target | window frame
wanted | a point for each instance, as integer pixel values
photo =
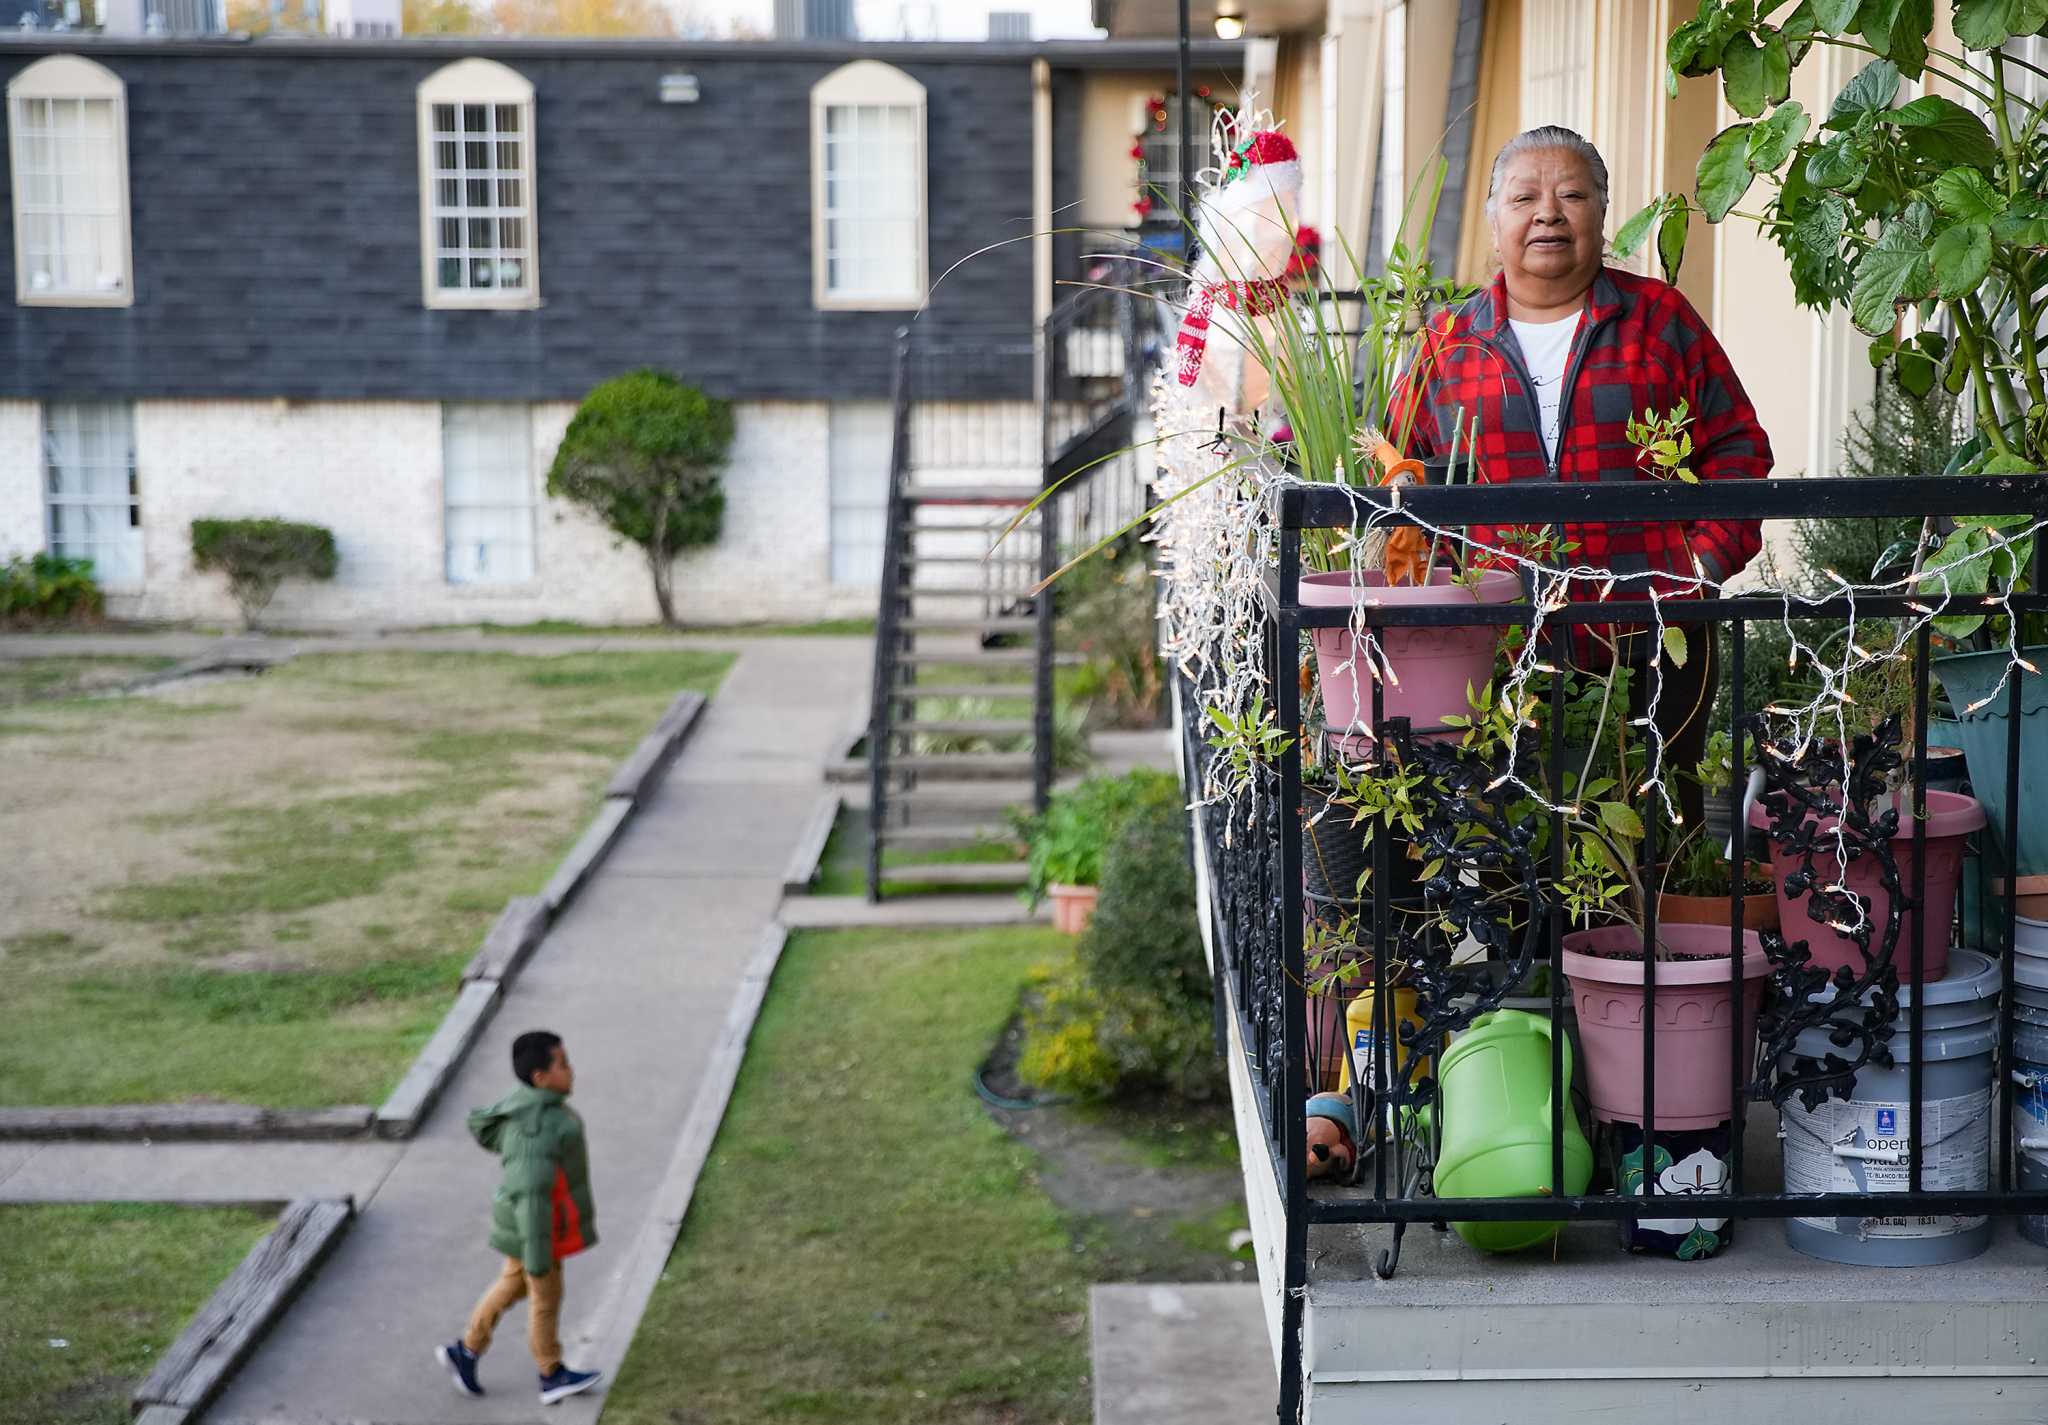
(70, 77)
(477, 81)
(51, 500)
(867, 82)
(523, 413)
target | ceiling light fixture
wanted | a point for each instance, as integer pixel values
(1229, 27)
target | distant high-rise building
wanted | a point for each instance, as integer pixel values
(364, 19)
(815, 20)
(1010, 26)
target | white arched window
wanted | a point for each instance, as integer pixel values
(67, 122)
(478, 244)
(868, 188)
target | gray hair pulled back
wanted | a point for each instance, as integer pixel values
(1550, 136)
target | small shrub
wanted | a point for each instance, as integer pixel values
(1144, 935)
(643, 454)
(46, 588)
(258, 555)
(1132, 1016)
(1067, 843)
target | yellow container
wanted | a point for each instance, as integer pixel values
(1358, 1024)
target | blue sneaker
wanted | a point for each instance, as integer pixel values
(461, 1363)
(561, 1383)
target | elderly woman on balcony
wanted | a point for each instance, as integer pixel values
(1547, 364)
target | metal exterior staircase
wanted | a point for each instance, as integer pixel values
(961, 724)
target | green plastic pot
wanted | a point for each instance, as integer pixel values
(1497, 1110)
(1968, 678)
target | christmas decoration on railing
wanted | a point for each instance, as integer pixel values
(1155, 125)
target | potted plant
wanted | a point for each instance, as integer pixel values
(1698, 882)
(1066, 845)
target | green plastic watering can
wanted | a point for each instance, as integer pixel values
(1494, 1083)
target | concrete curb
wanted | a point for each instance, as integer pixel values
(657, 749)
(409, 1103)
(181, 1121)
(506, 947)
(809, 853)
(605, 1341)
(196, 1366)
(519, 928)
(583, 858)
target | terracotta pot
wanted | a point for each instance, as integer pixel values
(1695, 1010)
(1951, 817)
(1434, 665)
(1759, 912)
(1072, 907)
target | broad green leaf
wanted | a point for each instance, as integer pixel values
(1777, 70)
(1694, 47)
(1631, 235)
(1962, 260)
(1971, 576)
(1943, 129)
(1671, 235)
(1907, 47)
(1894, 269)
(1674, 646)
(1772, 141)
(1724, 173)
(2009, 465)
(1876, 20)
(2024, 224)
(1871, 91)
(1839, 164)
(1987, 24)
(1742, 74)
(1819, 229)
(1916, 372)
(1837, 17)
(1966, 195)
(1622, 820)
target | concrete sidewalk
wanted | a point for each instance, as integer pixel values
(639, 977)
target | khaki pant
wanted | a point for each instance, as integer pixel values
(544, 1313)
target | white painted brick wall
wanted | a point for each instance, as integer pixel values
(371, 472)
(21, 478)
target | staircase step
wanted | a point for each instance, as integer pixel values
(964, 766)
(959, 873)
(918, 692)
(940, 837)
(972, 494)
(992, 657)
(993, 623)
(965, 727)
(935, 559)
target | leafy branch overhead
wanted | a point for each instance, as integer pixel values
(1930, 207)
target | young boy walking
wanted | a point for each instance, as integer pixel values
(540, 1214)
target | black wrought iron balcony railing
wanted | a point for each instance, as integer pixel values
(1487, 891)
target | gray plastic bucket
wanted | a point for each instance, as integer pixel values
(2030, 1084)
(1859, 1144)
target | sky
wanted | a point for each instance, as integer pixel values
(928, 19)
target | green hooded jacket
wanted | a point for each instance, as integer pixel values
(541, 1211)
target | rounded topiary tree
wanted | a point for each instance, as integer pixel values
(643, 454)
(258, 555)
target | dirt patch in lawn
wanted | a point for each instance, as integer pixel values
(263, 889)
(1154, 1187)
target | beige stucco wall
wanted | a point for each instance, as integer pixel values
(1112, 113)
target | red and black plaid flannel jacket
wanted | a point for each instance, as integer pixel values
(1639, 346)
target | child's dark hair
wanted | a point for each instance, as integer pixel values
(532, 1052)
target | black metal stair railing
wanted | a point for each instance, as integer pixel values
(1259, 915)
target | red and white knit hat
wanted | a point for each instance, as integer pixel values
(1264, 165)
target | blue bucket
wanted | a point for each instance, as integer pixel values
(1983, 735)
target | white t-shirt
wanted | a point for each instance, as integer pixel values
(1546, 349)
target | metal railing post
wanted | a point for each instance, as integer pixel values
(881, 708)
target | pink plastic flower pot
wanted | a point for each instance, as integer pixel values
(1434, 666)
(1951, 817)
(1695, 1009)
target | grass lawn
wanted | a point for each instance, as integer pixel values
(264, 889)
(823, 628)
(28, 679)
(93, 1293)
(866, 1243)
